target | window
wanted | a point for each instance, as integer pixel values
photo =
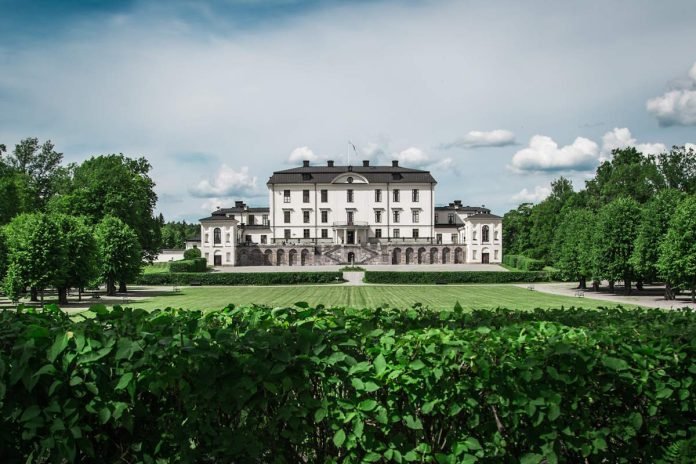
(437, 218)
(450, 218)
(217, 236)
(264, 219)
(325, 216)
(251, 219)
(495, 235)
(286, 233)
(227, 238)
(416, 215)
(305, 233)
(396, 233)
(305, 196)
(495, 254)
(378, 233)
(207, 238)
(415, 233)
(324, 233)
(286, 196)
(438, 238)
(415, 195)
(473, 254)
(286, 217)
(378, 217)
(324, 196)
(396, 215)
(473, 234)
(349, 215)
(378, 195)
(455, 238)
(484, 234)
(350, 180)
(396, 195)
(228, 255)
(349, 193)
(247, 238)
(305, 217)
(264, 239)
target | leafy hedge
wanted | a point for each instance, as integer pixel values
(240, 278)
(523, 263)
(483, 277)
(189, 265)
(341, 385)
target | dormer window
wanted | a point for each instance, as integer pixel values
(350, 180)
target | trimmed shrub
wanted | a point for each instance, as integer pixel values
(290, 385)
(240, 278)
(523, 263)
(464, 277)
(192, 253)
(189, 265)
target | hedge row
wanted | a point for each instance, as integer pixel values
(481, 277)
(523, 263)
(189, 265)
(292, 385)
(240, 278)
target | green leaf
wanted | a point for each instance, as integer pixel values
(636, 420)
(664, 393)
(380, 364)
(416, 365)
(554, 412)
(413, 423)
(367, 405)
(30, 413)
(104, 415)
(472, 444)
(99, 309)
(531, 458)
(599, 444)
(47, 369)
(614, 363)
(370, 387)
(59, 344)
(357, 384)
(339, 437)
(119, 407)
(428, 407)
(319, 415)
(302, 304)
(124, 381)
(372, 457)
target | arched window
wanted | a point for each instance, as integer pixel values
(217, 236)
(484, 234)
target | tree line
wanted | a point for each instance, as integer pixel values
(68, 226)
(635, 222)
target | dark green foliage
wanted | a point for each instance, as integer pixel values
(677, 261)
(523, 263)
(240, 278)
(573, 244)
(192, 253)
(174, 234)
(478, 277)
(120, 257)
(290, 385)
(517, 229)
(678, 167)
(189, 265)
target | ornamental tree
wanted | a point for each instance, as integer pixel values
(572, 246)
(119, 253)
(81, 250)
(677, 261)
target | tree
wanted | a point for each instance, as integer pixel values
(655, 219)
(677, 261)
(192, 253)
(517, 229)
(119, 253)
(3, 255)
(678, 167)
(81, 250)
(41, 164)
(114, 185)
(545, 218)
(572, 246)
(15, 196)
(616, 232)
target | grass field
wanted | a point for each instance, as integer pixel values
(469, 296)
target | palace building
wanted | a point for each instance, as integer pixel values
(330, 214)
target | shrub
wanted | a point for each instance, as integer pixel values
(299, 384)
(523, 263)
(192, 253)
(480, 277)
(189, 265)
(241, 278)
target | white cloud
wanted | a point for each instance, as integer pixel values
(677, 106)
(302, 153)
(544, 154)
(525, 196)
(476, 139)
(622, 138)
(227, 183)
(412, 157)
(690, 146)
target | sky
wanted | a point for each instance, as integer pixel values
(496, 99)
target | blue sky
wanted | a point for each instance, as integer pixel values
(495, 98)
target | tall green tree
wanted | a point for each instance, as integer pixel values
(3, 255)
(81, 251)
(41, 164)
(517, 228)
(677, 261)
(615, 236)
(573, 245)
(654, 224)
(15, 195)
(678, 167)
(545, 218)
(118, 186)
(120, 256)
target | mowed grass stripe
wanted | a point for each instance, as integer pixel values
(434, 296)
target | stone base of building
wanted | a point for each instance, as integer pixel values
(319, 255)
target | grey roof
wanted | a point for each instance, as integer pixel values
(235, 210)
(217, 218)
(373, 174)
(464, 209)
(195, 238)
(484, 216)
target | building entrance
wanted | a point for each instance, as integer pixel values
(484, 258)
(350, 237)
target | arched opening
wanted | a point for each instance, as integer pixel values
(458, 256)
(445, 256)
(243, 261)
(280, 257)
(409, 255)
(292, 258)
(217, 236)
(484, 234)
(217, 258)
(351, 257)
(256, 258)
(304, 257)
(396, 256)
(421, 255)
(268, 258)
(433, 256)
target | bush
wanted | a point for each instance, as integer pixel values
(192, 253)
(479, 277)
(523, 263)
(189, 265)
(342, 385)
(241, 278)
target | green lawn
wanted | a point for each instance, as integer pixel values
(434, 296)
(156, 268)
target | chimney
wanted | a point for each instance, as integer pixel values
(395, 163)
(329, 163)
(366, 163)
(239, 204)
(305, 163)
(458, 202)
